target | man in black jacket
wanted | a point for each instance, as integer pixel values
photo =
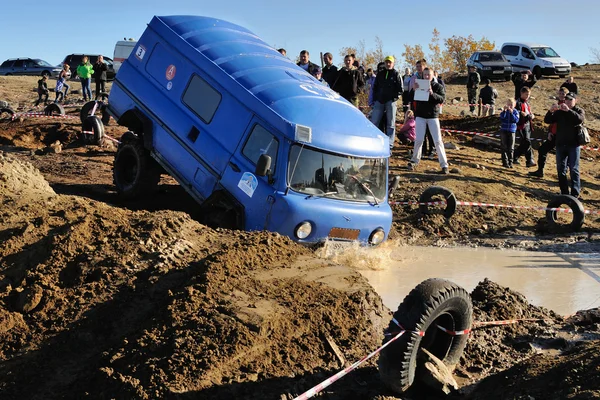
(525, 78)
(427, 116)
(568, 117)
(349, 82)
(305, 62)
(329, 70)
(386, 91)
(487, 98)
(570, 85)
(100, 76)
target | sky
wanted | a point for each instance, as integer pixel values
(50, 31)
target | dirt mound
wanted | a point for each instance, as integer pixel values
(22, 180)
(96, 299)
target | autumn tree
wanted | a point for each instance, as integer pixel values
(369, 58)
(412, 54)
(459, 49)
(438, 59)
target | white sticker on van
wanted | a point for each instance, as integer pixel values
(248, 183)
(139, 53)
(169, 85)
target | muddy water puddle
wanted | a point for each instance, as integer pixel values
(563, 282)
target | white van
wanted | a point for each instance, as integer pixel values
(538, 58)
(122, 50)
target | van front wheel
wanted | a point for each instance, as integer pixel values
(135, 173)
(537, 71)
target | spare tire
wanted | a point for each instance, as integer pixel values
(53, 108)
(438, 191)
(94, 125)
(135, 172)
(575, 206)
(433, 302)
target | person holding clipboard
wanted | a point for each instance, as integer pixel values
(428, 96)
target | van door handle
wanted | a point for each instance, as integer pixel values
(234, 167)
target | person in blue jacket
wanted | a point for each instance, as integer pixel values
(508, 126)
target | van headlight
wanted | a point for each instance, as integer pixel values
(303, 230)
(377, 237)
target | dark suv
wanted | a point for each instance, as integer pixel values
(74, 60)
(28, 66)
(491, 64)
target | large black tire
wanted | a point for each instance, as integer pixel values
(6, 113)
(433, 302)
(436, 192)
(87, 108)
(571, 202)
(54, 109)
(537, 71)
(135, 172)
(92, 124)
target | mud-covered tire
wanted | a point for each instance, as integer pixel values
(92, 124)
(433, 302)
(135, 172)
(54, 109)
(438, 191)
(86, 111)
(572, 203)
(6, 113)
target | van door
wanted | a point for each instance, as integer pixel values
(513, 55)
(256, 193)
(527, 58)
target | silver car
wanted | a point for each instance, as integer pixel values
(28, 66)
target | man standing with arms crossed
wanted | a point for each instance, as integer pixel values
(386, 91)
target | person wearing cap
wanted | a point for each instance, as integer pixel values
(427, 115)
(568, 117)
(318, 74)
(329, 70)
(521, 80)
(386, 91)
(305, 63)
(472, 85)
(349, 81)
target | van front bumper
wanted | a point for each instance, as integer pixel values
(556, 70)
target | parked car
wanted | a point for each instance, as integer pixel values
(28, 66)
(123, 49)
(491, 64)
(538, 58)
(74, 60)
(253, 138)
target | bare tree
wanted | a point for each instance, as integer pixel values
(595, 55)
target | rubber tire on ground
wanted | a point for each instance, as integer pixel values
(537, 71)
(433, 302)
(7, 111)
(87, 108)
(574, 204)
(53, 108)
(135, 172)
(92, 124)
(434, 191)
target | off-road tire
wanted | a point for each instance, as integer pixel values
(92, 124)
(6, 113)
(101, 109)
(135, 172)
(54, 109)
(571, 202)
(438, 191)
(433, 302)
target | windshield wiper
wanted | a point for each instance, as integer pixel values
(324, 194)
(366, 188)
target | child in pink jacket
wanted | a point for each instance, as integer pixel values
(407, 133)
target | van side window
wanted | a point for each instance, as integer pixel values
(260, 142)
(527, 53)
(201, 98)
(510, 50)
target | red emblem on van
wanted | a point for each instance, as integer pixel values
(171, 72)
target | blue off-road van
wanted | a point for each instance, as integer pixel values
(257, 141)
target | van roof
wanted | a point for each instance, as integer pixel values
(286, 94)
(528, 44)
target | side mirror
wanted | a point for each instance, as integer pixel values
(263, 166)
(393, 185)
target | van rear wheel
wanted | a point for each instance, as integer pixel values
(135, 173)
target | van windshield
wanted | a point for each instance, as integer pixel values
(319, 173)
(544, 52)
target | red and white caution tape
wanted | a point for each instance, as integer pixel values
(454, 333)
(477, 204)
(506, 322)
(42, 115)
(310, 393)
